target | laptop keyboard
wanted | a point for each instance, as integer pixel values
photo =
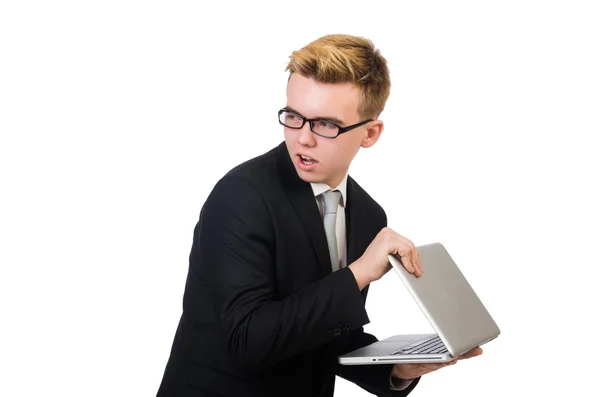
(433, 345)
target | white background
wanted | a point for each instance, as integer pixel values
(118, 117)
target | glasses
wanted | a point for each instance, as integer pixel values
(321, 127)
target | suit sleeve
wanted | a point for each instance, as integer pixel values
(373, 378)
(233, 255)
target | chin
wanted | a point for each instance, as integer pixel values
(309, 177)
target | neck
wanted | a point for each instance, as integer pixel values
(333, 183)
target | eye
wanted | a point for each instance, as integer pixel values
(326, 124)
(291, 116)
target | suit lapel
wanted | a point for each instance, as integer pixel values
(356, 219)
(302, 198)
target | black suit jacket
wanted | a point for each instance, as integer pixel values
(263, 315)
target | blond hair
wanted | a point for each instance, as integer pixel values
(340, 58)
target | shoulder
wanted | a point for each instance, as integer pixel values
(259, 171)
(247, 181)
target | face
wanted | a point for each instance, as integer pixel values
(329, 158)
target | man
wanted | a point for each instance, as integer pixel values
(287, 244)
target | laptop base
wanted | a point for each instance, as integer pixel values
(382, 352)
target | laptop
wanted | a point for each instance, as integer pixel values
(449, 303)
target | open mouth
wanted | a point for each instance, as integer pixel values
(307, 160)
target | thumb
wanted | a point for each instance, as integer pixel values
(407, 262)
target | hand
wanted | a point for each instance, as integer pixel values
(412, 371)
(374, 263)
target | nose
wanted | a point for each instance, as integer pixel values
(306, 137)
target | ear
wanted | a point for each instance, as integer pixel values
(373, 133)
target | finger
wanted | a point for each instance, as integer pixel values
(418, 263)
(414, 257)
(416, 370)
(407, 262)
(472, 353)
(427, 368)
(435, 366)
(405, 249)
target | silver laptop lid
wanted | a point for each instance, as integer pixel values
(448, 301)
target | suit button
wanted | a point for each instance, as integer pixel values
(338, 332)
(332, 333)
(348, 326)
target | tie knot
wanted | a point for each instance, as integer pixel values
(331, 200)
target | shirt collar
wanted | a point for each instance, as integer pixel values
(319, 188)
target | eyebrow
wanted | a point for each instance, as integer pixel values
(334, 119)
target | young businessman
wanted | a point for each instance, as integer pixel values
(287, 244)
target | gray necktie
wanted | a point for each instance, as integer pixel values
(331, 200)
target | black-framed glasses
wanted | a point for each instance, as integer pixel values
(322, 127)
